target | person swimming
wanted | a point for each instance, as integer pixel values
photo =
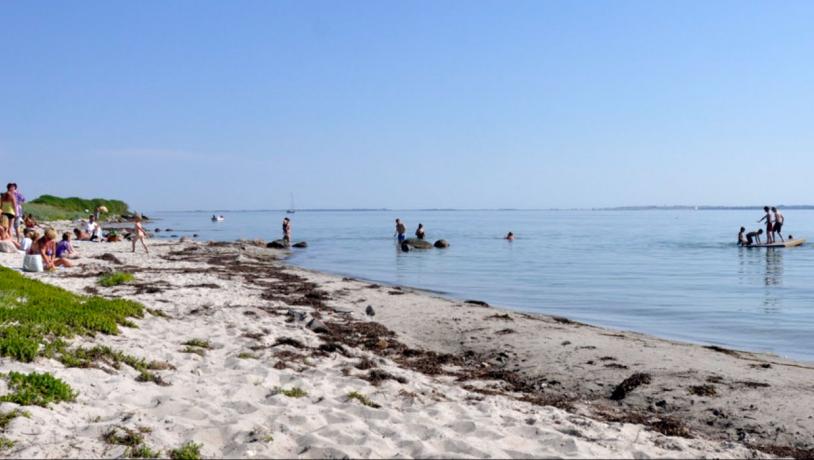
(509, 236)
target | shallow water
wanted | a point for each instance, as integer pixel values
(675, 274)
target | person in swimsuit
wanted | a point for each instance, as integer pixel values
(769, 218)
(46, 247)
(742, 237)
(20, 200)
(401, 229)
(65, 249)
(753, 237)
(509, 236)
(778, 223)
(139, 234)
(8, 207)
(419, 233)
(287, 230)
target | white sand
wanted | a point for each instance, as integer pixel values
(228, 404)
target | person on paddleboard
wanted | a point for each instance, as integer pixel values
(753, 237)
(778, 223)
(769, 218)
(742, 237)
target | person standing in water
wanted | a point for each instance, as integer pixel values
(509, 236)
(742, 237)
(769, 218)
(401, 229)
(287, 230)
(778, 224)
(419, 232)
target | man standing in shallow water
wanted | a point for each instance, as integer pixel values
(401, 229)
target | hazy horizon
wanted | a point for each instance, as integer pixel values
(526, 105)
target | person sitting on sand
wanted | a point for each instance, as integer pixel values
(287, 230)
(778, 224)
(753, 237)
(93, 229)
(769, 218)
(139, 234)
(80, 235)
(65, 249)
(419, 232)
(401, 229)
(30, 222)
(42, 255)
(509, 236)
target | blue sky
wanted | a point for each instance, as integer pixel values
(175, 105)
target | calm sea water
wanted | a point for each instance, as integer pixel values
(675, 274)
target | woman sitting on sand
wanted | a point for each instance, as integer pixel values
(30, 222)
(65, 249)
(80, 235)
(42, 255)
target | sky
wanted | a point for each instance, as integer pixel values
(182, 105)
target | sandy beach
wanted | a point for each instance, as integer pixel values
(305, 364)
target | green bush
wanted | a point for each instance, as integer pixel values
(142, 451)
(37, 389)
(115, 279)
(80, 205)
(189, 451)
(35, 316)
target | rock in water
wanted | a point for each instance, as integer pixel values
(441, 244)
(370, 311)
(278, 244)
(317, 326)
(417, 244)
(405, 247)
(301, 244)
(158, 230)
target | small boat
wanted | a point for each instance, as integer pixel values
(217, 219)
(780, 244)
(291, 209)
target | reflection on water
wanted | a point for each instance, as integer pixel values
(773, 279)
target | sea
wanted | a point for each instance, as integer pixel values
(676, 274)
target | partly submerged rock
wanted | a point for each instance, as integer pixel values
(417, 244)
(405, 247)
(441, 244)
(278, 244)
(301, 244)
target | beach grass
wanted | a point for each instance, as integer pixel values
(295, 392)
(36, 389)
(122, 436)
(6, 443)
(115, 279)
(72, 206)
(7, 417)
(142, 451)
(189, 451)
(355, 395)
(35, 317)
(199, 343)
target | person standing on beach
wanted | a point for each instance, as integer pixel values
(20, 200)
(778, 223)
(287, 230)
(139, 234)
(769, 218)
(419, 232)
(8, 207)
(401, 229)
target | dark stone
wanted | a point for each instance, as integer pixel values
(158, 230)
(297, 315)
(417, 244)
(301, 244)
(479, 303)
(195, 235)
(317, 326)
(370, 311)
(168, 230)
(441, 244)
(173, 236)
(278, 244)
(405, 247)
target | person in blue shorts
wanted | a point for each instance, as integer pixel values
(401, 229)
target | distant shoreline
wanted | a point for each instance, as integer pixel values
(806, 207)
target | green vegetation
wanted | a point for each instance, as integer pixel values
(200, 343)
(35, 316)
(7, 417)
(295, 392)
(362, 399)
(189, 451)
(115, 279)
(142, 451)
(247, 355)
(89, 357)
(37, 389)
(5, 443)
(49, 207)
(122, 436)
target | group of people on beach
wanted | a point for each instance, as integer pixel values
(42, 248)
(774, 226)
